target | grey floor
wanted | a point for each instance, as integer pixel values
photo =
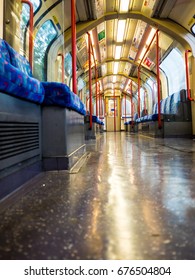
(133, 198)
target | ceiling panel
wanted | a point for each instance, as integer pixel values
(110, 5)
(186, 12)
(109, 37)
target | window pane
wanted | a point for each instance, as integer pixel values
(36, 4)
(24, 23)
(45, 35)
(193, 29)
(68, 64)
(174, 68)
(128, 107)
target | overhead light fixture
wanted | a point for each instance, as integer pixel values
(124, 6)
(114, 79)
(148, 41)
(121, 30)
(118, 52)
(115, 67)
(104, 69)
(142, 52)
(150, 36)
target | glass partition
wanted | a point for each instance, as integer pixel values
(44, 37)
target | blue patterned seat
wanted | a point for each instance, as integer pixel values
(61, 95)
(16, 76)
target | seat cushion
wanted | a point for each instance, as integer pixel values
(17, 83)
(4, 53)
(19, 61)
(61, 95)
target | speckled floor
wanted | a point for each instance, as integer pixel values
(134, 198)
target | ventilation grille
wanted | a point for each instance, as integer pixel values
(18, 138)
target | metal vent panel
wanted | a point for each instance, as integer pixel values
(18, 138)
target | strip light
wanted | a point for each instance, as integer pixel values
(124, 6)
(114, 79)
(121, 30)
(115, 67)
(150, 36)
(118, 52)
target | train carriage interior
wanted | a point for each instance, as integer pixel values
(97, 129)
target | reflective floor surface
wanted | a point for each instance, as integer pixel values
(133, 198)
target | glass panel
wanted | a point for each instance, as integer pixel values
(25, 16)
(81, 84)
(111, 107)
(128, 107)
(193, 29)
(45, 35)
(68, 64)
(36, 4)
(174, 68)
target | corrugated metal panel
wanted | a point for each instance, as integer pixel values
(17, 138)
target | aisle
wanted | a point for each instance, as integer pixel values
(133, 198)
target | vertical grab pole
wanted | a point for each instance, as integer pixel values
(90, 83)
(73, 33)
(99, 103)
(187, 75)
(125, 107)
(138, 101)
(99, 97)
(96, 89)
(131, 88)
(114, 111)
(145, 102)
(131, 103)
(30, 32)
(61, 54)
(158, 77)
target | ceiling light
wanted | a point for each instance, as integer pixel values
(142, 52)
(114, 79)
(115, 67)
(148, 41)
(124, 6)
(121, 30)
(150, 36)
(118, 52)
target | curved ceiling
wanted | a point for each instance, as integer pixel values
(121, 31)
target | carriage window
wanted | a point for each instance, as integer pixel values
(81, 84)
(193, 29)
(36, 4)
(25, 16)
(68, 64)
(44, 37)
(174, 69)
(128, 107)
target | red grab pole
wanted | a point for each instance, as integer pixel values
(148, 48)
(96, 89)
(73, 33)
(145, 102)
(90, 82)
(99, 103)
(132, 113)
(61, 54)
(114, 112)
(96, 77)
(125, 107)
(187, 75)
(158, 78)
(31, 29)
(138, 101)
